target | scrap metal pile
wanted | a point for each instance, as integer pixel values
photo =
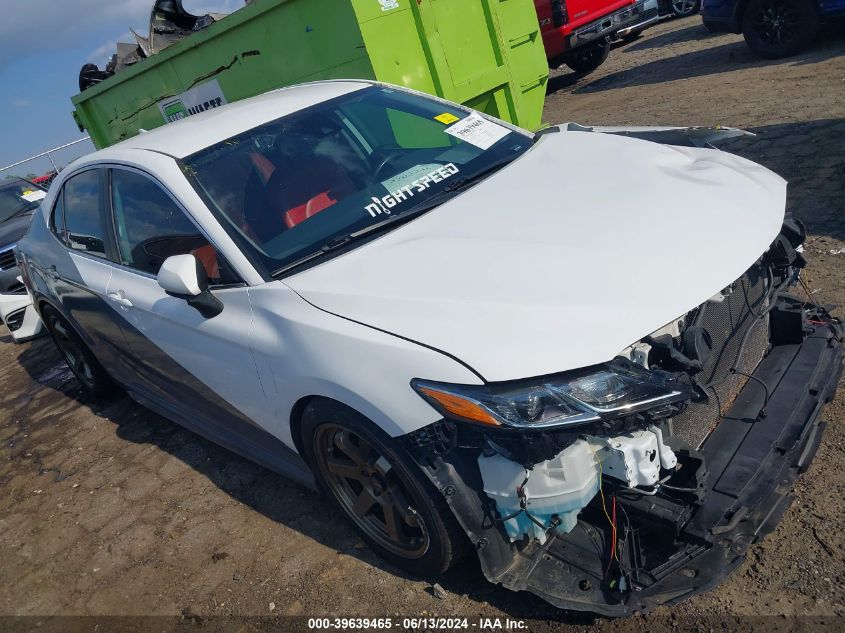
(169, 23)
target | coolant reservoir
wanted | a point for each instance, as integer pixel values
(561, 486)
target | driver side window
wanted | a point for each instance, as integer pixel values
(151, 227)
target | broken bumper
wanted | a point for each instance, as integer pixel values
(752, 461)
(650, 16)
(20, 316)
(605, 26)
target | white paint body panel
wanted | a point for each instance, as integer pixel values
(542, 267)
(213, 350)
(301, 350)
(31, 326)
(579, 248)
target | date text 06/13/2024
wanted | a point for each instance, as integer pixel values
(416, 623)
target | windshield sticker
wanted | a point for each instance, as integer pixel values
(409, 176)
(386, 203)
(478, 131)
(33, 196)
(446, 118)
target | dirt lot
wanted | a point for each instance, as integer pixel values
(108, 509)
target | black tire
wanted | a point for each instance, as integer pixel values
(369, 477)
(712, 27)
(779, 28)
(84, 365)
(685, 8)
(587, 59)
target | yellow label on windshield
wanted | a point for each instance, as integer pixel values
(446, 118)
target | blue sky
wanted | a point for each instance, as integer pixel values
(43, 44)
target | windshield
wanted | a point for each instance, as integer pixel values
(287, 188)
(17, 196)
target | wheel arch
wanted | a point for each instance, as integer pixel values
(40, 302)
(739, 15)
(295, 422)
(298, 410)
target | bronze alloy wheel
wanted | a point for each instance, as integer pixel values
(370, 490)
(71, 352)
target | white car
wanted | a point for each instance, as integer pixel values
(555, 350)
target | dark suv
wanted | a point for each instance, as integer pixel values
(19, 199)
(772, 28)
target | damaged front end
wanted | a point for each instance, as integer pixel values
(643, 481)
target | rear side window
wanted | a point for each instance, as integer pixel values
(83, 217)
(151, 227)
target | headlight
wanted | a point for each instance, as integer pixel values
(607, 391)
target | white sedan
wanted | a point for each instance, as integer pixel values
(468, 336)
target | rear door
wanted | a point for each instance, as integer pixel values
(192, 365)
(78, 277)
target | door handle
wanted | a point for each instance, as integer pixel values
(120, 299)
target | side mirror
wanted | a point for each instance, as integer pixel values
(183, 276)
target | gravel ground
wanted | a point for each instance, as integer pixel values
(108, 509)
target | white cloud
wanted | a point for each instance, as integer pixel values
(20, 102)
(102, 53)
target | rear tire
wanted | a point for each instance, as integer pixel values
(779, 28)
(376, 484)
(587, 59)
(80, 360)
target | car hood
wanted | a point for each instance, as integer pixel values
(580, 247)
(14, 228)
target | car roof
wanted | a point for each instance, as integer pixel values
(191, 134)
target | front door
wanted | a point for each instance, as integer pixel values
(200, 369)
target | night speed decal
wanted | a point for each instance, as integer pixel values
(386, 203)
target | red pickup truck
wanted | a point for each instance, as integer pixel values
(577, 32)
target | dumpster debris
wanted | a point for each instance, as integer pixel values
(346, 42)
(169, 23)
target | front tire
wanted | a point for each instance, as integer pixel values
(376, 484)
(81, 361)
(589, 58)
(779, 28)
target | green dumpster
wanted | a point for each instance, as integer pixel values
(486, 54)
